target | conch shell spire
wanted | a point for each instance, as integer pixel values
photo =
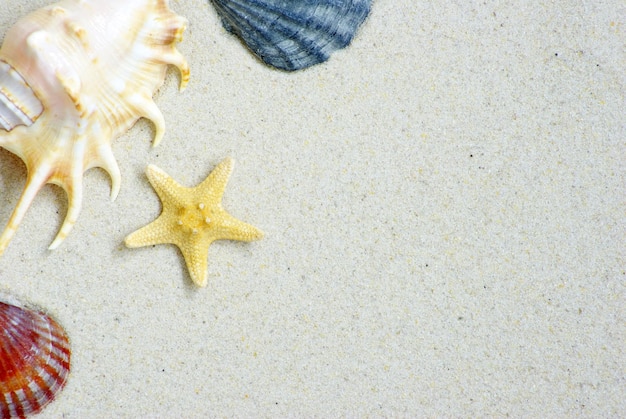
(74, 85)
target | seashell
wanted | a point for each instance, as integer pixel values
(18, 103)
(294, 34)
(76, 75)
(34, 359)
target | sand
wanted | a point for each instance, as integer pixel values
(444, 210)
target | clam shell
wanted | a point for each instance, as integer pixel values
(93, 66)
(34, 359)
(294, 34)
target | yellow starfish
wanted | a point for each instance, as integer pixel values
(192, 218)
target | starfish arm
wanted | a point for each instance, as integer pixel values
(157, 232)
(215, 184)
(195, 252)
(166, 188)
(230, 228)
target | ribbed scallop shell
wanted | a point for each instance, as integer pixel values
(94, 66)
(34, 360)
(293, 34)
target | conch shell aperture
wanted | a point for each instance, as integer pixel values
(75, 75)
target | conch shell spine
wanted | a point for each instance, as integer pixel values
(93, 66)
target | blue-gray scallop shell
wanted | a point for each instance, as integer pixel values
(293, 34)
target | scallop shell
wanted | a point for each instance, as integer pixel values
(294, 34)
(92, 68)
(34, 359)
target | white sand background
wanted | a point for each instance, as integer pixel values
(444, 208)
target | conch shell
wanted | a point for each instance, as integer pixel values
(75, 75)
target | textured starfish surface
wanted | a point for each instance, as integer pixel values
(193, 218)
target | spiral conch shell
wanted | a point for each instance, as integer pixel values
(74, 76)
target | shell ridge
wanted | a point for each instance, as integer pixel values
(15, 406)
(294, 19)
(253, 43)
(30, 398)
(279, 41)
(267, 25)
(46, 380)
(30, 375)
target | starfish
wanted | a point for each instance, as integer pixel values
(192, 218)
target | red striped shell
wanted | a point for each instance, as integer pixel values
(34, 360)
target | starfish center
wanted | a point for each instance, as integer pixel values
(194, 220)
